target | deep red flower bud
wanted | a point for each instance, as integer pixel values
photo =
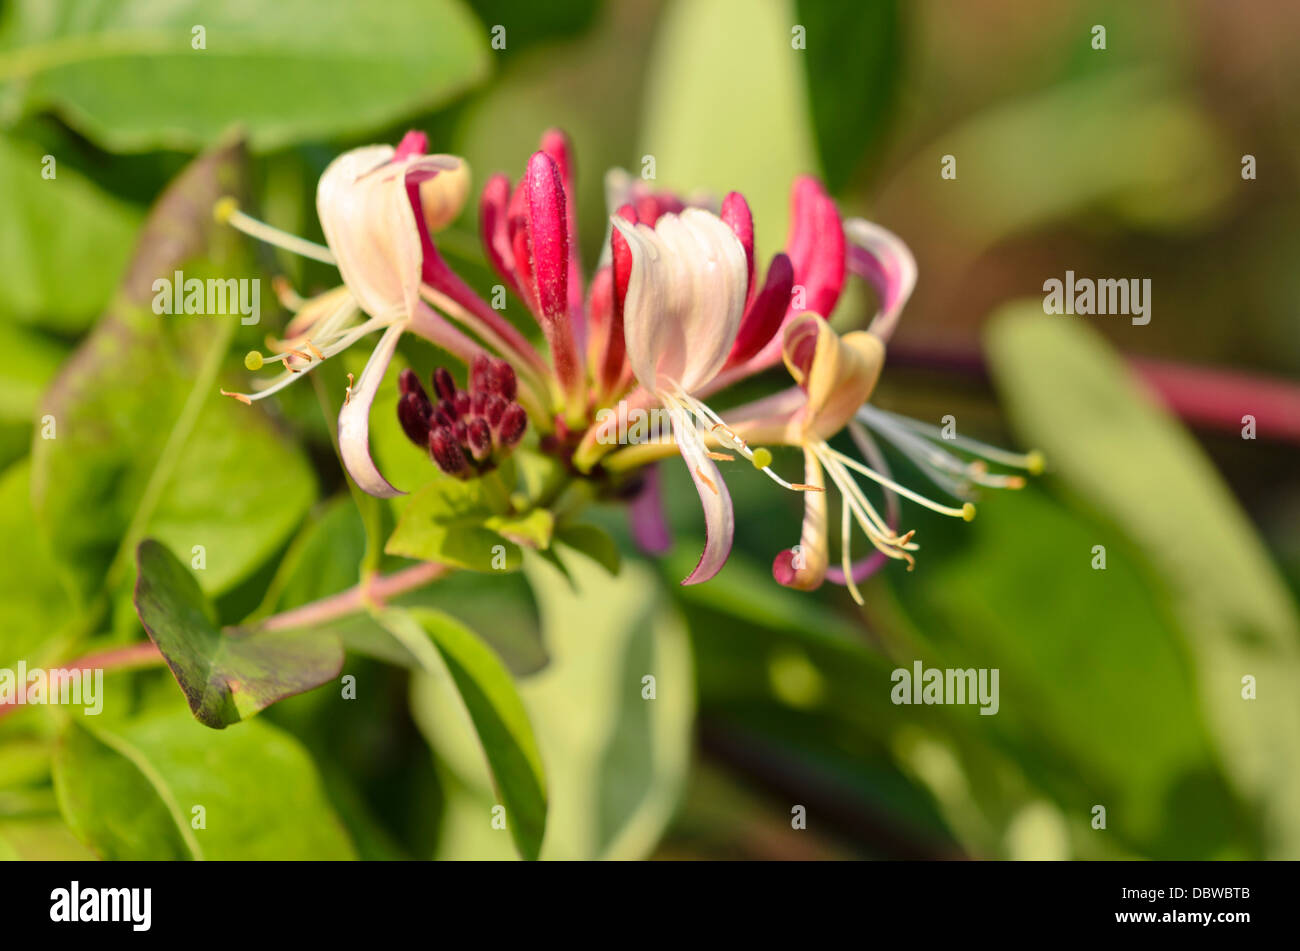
(459, 430)
(504, 381)
(480, 439)
(480, 373)
(445, 450)
(548, 235)
(513, 423)
(414, 417)
(445, 412)
(478, 403)
(462, 403)
(493, 407)
(443, 384)
(557, 145)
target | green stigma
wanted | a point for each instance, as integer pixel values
(253, 360)
(761, 458)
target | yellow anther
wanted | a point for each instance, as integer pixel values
(224, 208)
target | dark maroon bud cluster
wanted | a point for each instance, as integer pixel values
(467, 432)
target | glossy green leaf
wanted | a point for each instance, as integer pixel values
(164, 787)
(145, 444)
(63, 241)
(227, 676)
(1072, 396)
(446, 521)
(134, 76)
(447, 649)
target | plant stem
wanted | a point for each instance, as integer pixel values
(356, 598)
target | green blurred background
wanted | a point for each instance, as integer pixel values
(1120, 688)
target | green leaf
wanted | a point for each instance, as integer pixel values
(1069, 394)
(132, 791)
(40, 840)
(226, 676)
(447, 521)
(531, 530)
(63, 242)
(592, 541)
(494, 709)
(853, 65)
(31, 361)
(33, 605)
(724, 108)
(145, 444)
(128, 75)
(616, 761)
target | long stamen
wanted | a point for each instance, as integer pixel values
(967, 511)
(877, 531)
(760, 458)
(1032, 461)
(293, 372)
(226, 211)
(846, 560)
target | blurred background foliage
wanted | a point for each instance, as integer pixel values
(1120, 687)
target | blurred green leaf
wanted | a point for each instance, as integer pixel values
(227, 676)
(725, 107)
(127, 73)
(63, 241)
(33, 605)
(1069, 394)
(40, 840)
(853, 66)
(144, 442)
(1016, 591)
(132, 791)
(447, 648)
(1034, 161)
(616, 760)
(593, 542)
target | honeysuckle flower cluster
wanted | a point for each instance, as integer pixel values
(675, 312)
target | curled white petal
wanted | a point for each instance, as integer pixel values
(354, 419)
